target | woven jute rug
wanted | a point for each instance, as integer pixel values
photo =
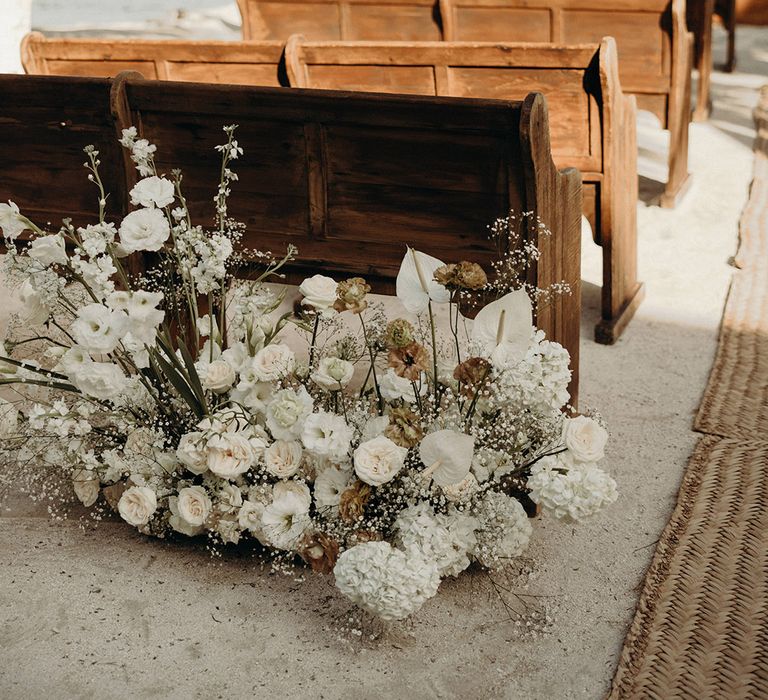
(700, 630)
(701, 627)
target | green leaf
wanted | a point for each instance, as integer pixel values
(180, 384)
(194, 378)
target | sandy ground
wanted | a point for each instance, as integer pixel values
(109, 614)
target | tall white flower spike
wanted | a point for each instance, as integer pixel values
(503, 328)
(448, 456)
(415, 282)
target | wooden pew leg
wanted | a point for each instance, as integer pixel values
(608, 330)
(704, 62)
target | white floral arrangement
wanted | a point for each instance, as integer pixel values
(390, 452)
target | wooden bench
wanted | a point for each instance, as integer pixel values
(653, 41)
(352, 20)
(349, 178)
(592, 122)
(245, 63)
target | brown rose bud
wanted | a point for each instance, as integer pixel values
(410, 361)
(470, 275)
(319, 551)
(399, 333)
(350, 295)
(404, 427)
(353, 500)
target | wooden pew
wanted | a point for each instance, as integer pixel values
(350, 178)
(655, 50)
(592, 122)
(245, 63)
(353, 20)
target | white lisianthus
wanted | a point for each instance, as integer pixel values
(386, 581)
(194, 505)
(283, 458)
(86, 485)
(319, 293)
(379, 460)
(393, 387)
(298, 488)
(230, 455)
(73, 361)
(333, 373)
(98, 328)
(585, 438)
(11, 221)
(49, 250)
(35, 311)
(102, 380)
(152, 192)
(145, 229)
(374, 427)
(329, 485)
(327, 435)
(287, 412)
(141, 306)
(137, 505)
(254, 395)
(192, 454)
(273, 363)
(286, 519)
(219, 377)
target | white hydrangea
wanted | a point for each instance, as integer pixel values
(504, 529)
(385, 581)
(570, 490)
(447, 539)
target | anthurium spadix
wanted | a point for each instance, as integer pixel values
(416, 285)
(447, 456)
(503, 328)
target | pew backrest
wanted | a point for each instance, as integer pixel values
(245, 63)
(353, 20)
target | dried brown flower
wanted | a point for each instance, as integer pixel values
(319, 551)
(352, 502)
(404, 427)
(112, 493)
(350, 295)
(409, 362)
(463, 275)
(472, 374)
(363, 536)
(399, 333)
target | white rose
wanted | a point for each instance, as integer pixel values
(192, 454)
(98, 328)
(379, 460)
(194, 505)
(219, 377)
(86, 485)
(287, 412)
(283, 458)
(49, 250)
(137, 505)
(298, 488)
(230, 455)
(327, 435)
(585, 438)
(152, 192)
(102, 380)
(35, 311)
(273, 362)
(145, 229)
(319, 293)
(333, 373)
(11, 221)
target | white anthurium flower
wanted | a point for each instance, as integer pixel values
(415, 282)
(447, 456)
(503, 328)
(11, 221)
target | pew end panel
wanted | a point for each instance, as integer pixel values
(622, 293)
